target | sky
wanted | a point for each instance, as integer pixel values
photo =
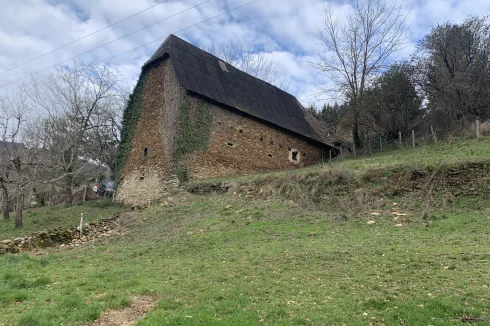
(284, 30)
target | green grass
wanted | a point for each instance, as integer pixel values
(230, 260)
(233, 261)
(38, 219)
(457, 151)
(423, 156)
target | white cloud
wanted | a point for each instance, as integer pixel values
(284, 30)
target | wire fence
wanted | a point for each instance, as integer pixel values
(373, 143)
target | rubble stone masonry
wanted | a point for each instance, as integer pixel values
(237, 144)
(242, 145)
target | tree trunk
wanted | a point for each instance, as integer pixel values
(356, 138)
(18, 211)
(68, 190)
(5, 204)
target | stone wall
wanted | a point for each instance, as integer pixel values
(147, 174)
(242, 145)
(61, 237)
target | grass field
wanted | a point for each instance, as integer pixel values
(229, 260)
(38, 219)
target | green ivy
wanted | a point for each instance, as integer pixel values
(193, 135)
(131, 115)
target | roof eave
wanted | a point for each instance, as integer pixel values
(155, 61)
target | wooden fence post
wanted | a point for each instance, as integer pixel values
(381, 143)
(370, 145)
(330, 158)
(413, 138)
(433, 134)
(400, 139)
(477, 128)
(85, 193)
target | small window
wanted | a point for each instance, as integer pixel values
(294, 155)
(145, 152)
(270, 155)
(304, 154)
(261, 138)
(240, 131)
(230, 144)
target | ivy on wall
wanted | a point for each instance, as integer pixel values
(131, 115)
(193, 135)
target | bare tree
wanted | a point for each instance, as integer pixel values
(255, 64)
(11, 119)
(356, 48)
(17, 162)
(80, 104)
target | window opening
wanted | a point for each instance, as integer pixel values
(145, 152)
(230, 144)
(294, 155)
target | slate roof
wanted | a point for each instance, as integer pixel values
(10, 145)
(202, 73)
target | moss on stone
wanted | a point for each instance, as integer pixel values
(131, 115)
(193, 134)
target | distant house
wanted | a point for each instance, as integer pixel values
(8, 146)
(193, 116)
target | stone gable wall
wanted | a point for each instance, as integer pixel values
(147, 175)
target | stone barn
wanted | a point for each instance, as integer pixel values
(193, 116)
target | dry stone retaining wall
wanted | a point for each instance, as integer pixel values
(60, 236)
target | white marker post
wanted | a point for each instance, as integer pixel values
(81, 225)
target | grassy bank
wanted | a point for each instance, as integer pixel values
(431, 155)
(38, 219)
(233, 261)
(387, 242)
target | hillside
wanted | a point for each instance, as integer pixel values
(397, 238)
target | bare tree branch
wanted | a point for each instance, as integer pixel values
(354, 50)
